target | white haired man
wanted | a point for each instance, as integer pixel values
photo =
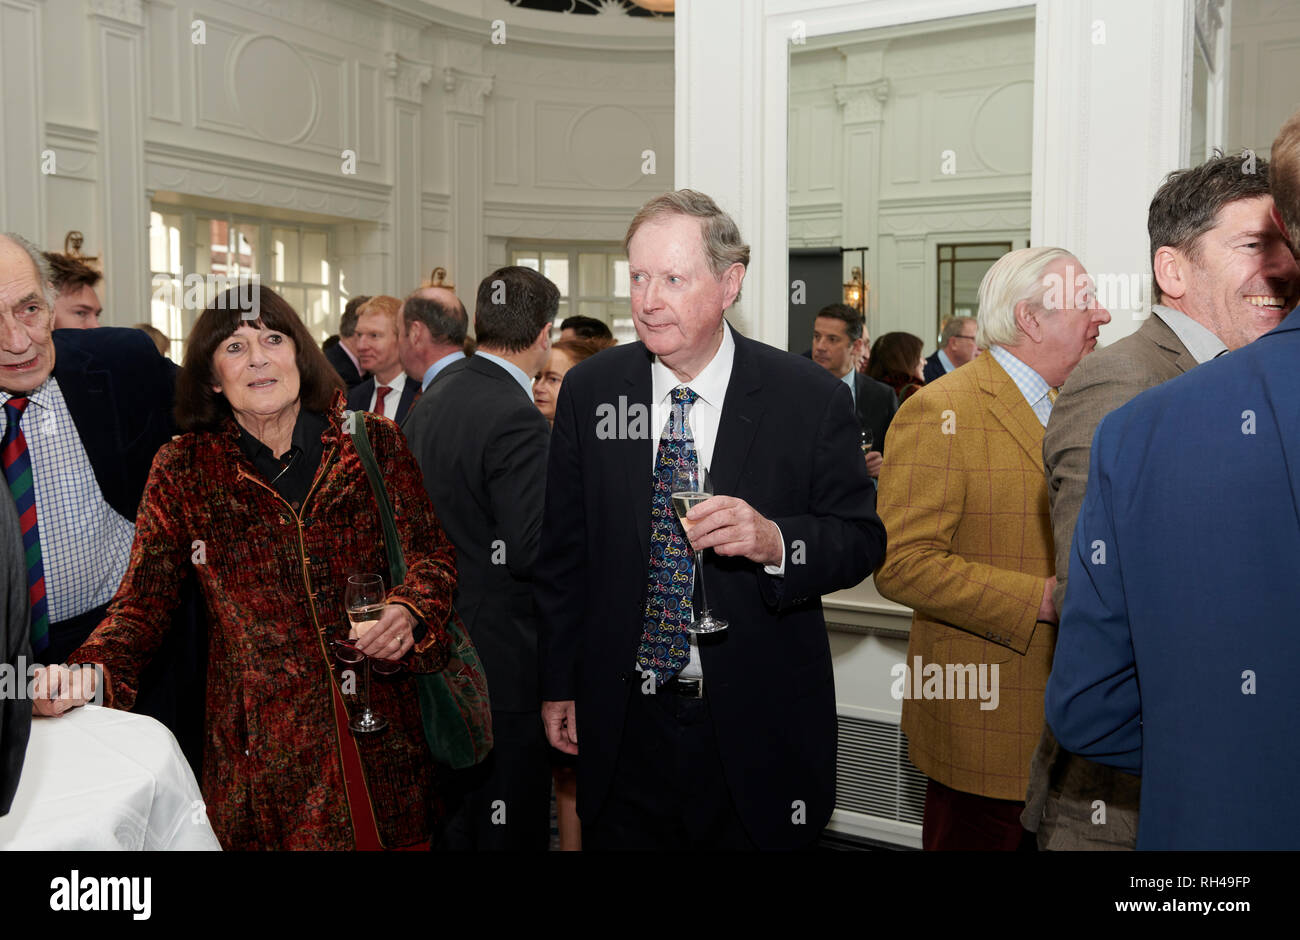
(964, 500)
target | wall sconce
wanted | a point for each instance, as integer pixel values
(856, 290)
(439, 279)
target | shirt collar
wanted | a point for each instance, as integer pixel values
(710, 384)
(39, 396)
(397, 384)
(431, 373)
(848, 378)
(525, 381)
(946, 362)
(1200, 341)
(307, 430)
(1032, 385)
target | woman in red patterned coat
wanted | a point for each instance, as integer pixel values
(266, 502)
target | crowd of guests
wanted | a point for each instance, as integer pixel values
(198, 528)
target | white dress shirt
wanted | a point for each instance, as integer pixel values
(393, 398)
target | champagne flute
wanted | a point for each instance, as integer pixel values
(868, 439)
(689, 487)
(364, 599)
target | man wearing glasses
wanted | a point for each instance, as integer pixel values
(956, 348)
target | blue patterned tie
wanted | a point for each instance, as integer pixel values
(665, 645)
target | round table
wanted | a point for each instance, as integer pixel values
(97, 778)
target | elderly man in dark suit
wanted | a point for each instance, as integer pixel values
(728, 742)
(839, 338)
(84, 412)
(1224, 276)
(481, 443)
(15, 652)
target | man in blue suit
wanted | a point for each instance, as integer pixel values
(1177, 654)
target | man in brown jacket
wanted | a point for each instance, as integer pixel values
(1223, 276)
(964, 503)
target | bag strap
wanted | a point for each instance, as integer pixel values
(392, 544)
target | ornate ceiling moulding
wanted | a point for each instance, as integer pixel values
(655, 8)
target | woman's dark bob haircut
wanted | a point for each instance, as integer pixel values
(198, 407)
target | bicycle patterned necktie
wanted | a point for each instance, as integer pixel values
(665, 645)
(18, 474)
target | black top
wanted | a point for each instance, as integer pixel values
(291, 473)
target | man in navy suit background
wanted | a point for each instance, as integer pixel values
(1182, 576)
(728, 741)
(956, 348)
(93, 407)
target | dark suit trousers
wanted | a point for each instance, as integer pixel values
(967, 822)
(504, 803)
(669, 791)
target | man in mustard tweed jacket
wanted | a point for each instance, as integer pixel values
(964, 502)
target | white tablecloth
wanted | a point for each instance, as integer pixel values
(98, 778)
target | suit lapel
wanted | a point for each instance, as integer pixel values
(88, 393)
(1164, 337)
(1008, 407)
(741, 411)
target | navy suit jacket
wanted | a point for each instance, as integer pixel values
(120, 393)
(343, 365)
(876, 406)
(360, 395)
(788, 445)
(481, 444)
(933, 368)
(1178, 651)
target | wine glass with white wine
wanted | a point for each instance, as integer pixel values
(364, 600)
(691, 485)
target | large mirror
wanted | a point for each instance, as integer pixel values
(910, 153)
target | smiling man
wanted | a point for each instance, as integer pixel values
(1224, 276)
(1178, 649)
(728, 743)
(388, 391)
(970, 545)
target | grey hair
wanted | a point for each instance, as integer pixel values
(39, 263)
(723, 244)
(952, 327)
(1016, 276)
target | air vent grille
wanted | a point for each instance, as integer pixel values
(874, 774)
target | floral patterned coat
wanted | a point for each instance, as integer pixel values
(273, 579)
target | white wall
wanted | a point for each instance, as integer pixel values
(905, 141)
(1262, 87)
(1111, 95)
(460, 142)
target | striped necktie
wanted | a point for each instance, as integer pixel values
(18, 474)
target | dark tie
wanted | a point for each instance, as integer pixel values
(380, 394)
(665, 645)
(18, 474)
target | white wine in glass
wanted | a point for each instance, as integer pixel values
(691, 486)
(364, 599)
